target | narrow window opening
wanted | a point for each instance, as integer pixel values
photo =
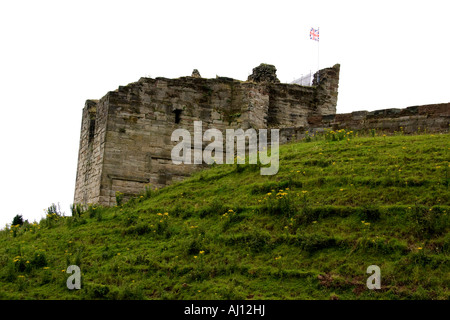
(177, 115)
(91, 130)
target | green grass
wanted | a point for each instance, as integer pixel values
(309, 232)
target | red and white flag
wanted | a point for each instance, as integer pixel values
(314, 34)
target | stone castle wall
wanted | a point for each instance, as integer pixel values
(427, 118)
(433, 118)
(125, 140)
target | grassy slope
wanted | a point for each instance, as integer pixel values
(306, 240)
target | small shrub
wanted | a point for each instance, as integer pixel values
(280, 203)
(17, 220)
(229, 218)
(94, 212)
(39, 260)
(98, 291)
(194, 246)
(147, 191)
(21, 264)
(308, 137)
(54, 210)
(14, 230)
(91, 211)
(53, 215)
(338, 135)
(76, 209)
(119, 198)
(162, 226)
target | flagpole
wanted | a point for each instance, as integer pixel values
(315, 37)
(318, 56)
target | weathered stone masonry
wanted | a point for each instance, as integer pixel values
(433, 118)
(125, 136)
(427, 118)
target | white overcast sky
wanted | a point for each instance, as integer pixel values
(56, 54)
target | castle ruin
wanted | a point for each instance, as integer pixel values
(125, 141)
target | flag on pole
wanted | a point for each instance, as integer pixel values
(314, 34)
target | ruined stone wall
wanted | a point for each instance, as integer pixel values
(131, 144)
(429, 118)
(433, 118)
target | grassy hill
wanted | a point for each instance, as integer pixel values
(339, 204)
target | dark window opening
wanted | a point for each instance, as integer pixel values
(91, 129)
(177, 115)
